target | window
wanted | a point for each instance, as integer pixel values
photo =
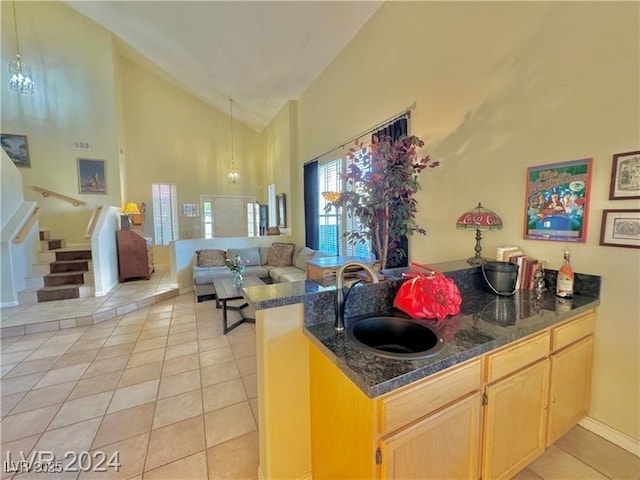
(165, 213)
(253, 219)
(332, 223)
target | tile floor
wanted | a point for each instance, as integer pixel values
(163, 387)
(33, 317)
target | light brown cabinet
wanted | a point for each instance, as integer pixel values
(515, 421)
(444, 444)
(135, 257)
(486, 418)
(432, 425)
(571, 369)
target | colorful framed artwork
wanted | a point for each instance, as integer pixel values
(16, 148)
(620, 228)
(625, 176)
(92, 177)
(557, 202)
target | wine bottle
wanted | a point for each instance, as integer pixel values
(564, 283)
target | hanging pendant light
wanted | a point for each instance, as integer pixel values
(233, 175)
(20, 78)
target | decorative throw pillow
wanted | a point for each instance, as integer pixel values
(281, 254)
(303, 257)
(211, 258)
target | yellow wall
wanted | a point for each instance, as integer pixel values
(172, 137)
(499, 87)
(71, 60)
(281, 165)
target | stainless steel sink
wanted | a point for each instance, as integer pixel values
(395, 337)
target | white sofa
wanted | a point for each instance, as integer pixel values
(275, 266)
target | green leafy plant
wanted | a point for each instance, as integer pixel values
(381, 181)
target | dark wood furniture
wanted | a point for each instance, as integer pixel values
(135, 258)
(226, 291)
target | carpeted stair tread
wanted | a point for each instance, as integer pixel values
(64, 278)
(60, 266)
(62, 274)
(59, 292)
(62, 255)
(58, 287)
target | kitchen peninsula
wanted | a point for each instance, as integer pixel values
(318, 392)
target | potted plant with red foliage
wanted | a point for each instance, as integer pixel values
(382, 179)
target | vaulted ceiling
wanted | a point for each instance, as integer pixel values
(258, 53)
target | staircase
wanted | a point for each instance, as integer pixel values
(69, 270)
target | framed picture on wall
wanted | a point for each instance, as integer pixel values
(557, 201)
(190, 210)
(625, 176)
(16, 148)
(281, 210)
(92, 176)
(620, 228)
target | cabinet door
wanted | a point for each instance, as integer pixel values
(515, 421)
(444, 445)
(570, 391)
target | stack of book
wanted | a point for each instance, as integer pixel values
(528, 267)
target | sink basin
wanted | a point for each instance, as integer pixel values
(395, 337)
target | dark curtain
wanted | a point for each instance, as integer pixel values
(395, 130)
(311, 206)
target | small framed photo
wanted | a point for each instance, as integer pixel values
(625, 176)
(92, 177)
(557, 202)
(16, 148)
(190, 210)
(620, 228)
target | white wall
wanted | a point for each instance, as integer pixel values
(15, 259)
(499, 87)
(104, 251)
(11, 196)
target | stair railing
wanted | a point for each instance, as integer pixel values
(28, 225)
(48, 193)
(91, 225)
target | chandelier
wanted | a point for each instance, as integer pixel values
(19, 72)
(233, 174)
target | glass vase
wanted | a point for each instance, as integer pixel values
(237, 279)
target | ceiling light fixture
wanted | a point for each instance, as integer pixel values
(19, 72)
(233, 174)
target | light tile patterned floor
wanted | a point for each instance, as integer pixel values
(163, 387)
(160, 385)
(126, 297)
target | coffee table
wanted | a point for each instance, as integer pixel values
(226, 291)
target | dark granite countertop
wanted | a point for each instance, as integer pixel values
(485, 322)
(495, 321)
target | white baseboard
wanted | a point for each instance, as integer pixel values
(618, 438)
(9, 304)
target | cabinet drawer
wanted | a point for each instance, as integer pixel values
(425, 396)
(515, 357)
(572, 331)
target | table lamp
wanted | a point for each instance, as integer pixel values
(478, 218)
(129, 211)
